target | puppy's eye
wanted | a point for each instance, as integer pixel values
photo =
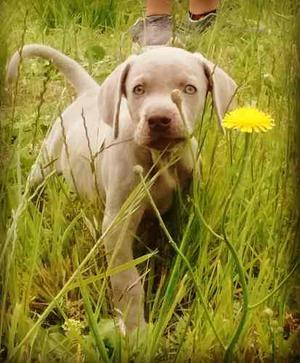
(139, 90)
(189, 89)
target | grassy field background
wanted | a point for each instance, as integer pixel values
(55, 302)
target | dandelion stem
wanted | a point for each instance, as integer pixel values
(230, 347)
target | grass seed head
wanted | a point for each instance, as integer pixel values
(176, 97)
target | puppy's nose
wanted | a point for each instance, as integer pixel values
(158, 123)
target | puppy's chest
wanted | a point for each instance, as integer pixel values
(168, 181)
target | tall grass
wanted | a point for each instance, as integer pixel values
(95, 14)
(55, 302)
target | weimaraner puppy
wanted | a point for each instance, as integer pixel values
(132, 111)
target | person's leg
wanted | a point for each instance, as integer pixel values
(164, 7)
(156, 27)
(199, 7)
(158, 7)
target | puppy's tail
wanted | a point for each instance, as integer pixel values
(74, 73)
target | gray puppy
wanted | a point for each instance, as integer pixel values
(135, 105)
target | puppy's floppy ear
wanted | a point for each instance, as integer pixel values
(111, 92)
(221, 86)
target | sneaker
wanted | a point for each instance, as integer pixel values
(190, 26)
(203, 23)
(152, 30)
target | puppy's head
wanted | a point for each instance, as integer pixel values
(147, 81)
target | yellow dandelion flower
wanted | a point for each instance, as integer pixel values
(248, 119)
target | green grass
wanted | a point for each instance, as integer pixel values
(55, 302)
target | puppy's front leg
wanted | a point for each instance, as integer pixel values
(127, 289)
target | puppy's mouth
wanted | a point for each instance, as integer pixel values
(162, 143)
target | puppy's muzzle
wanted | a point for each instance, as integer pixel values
(163, 132)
